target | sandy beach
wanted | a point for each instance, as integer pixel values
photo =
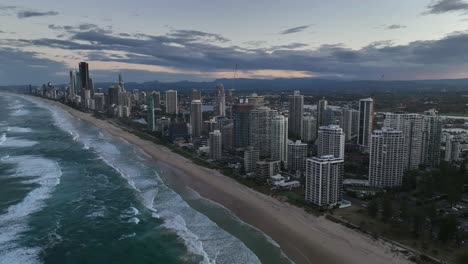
(303, 237)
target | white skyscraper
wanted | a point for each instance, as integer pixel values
(214, 144)
(412, 127)
(324, 180)
(322, 107)
(387, 158)
(220, 104)
(297, 154)
(349, 122)
(331, 141)
(279, 139)
(309, 129)
(171, 102)
(452, 148)
(196, 118)
(366, 121)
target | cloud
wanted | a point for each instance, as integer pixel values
(196, 35)
(186, 51)
(15, 63)
(445, 6)
(7, 7)
(295, 30)
(394, 26)
(28, 14)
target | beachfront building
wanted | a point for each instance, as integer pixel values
(309, 129)
(171, 102)
(150, 114)
(366, 121)
(279, 139)
(387, 158)
(412, 127)
(432, 134)
(324, 180)
(241, 117)
(265, 169)
(196, 118)
(215, 145)
(331, 141)
(296, 114)
(297, 154)
(251, 156)
(260, 129)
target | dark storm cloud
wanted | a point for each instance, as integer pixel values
(294, 30)
(28, 14)
(394, 26)
(444, 6)
(15, 65)
(187, 50)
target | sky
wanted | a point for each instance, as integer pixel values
(40, 41)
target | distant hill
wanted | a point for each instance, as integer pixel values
(303, 84)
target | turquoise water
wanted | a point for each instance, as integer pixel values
(70, 193)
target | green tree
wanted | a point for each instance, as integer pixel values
(404, 210)
(418, 222)
(448, 228)
(373, 208)
(462, 258)
(387, 208)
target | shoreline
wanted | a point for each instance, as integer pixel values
(303, 237)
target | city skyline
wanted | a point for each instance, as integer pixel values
(149, 41)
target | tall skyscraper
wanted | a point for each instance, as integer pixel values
(84, 78)
(366, 121)
(84, 75)
(260, 129)
(279, 139)
(322, 119)
(309, 129)
(297, 154)
(196, 121)
(196, 94)
(241, 117)
(387, 158)
(331, 141)
(412, 127)
(214, 144)
(150, 112)
(452, 148)
(296, 114)
(171, 102)
(220, 104)
(72, 91)
(431, 138)
(349, 122)
(156, 99)
(324, 180)
(121, 83)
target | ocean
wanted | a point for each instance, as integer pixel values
(70, 193)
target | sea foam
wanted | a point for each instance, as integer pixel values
(46, 174)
